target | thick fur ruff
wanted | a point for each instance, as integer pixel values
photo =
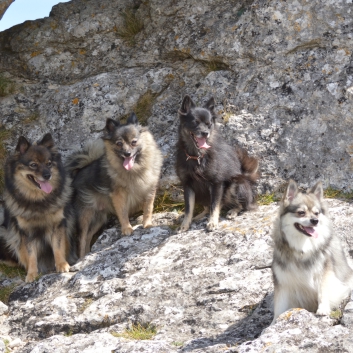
(118, 174)
(213, 173)
(309, 267)
(38, 226)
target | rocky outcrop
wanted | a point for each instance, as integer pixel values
(4, 5)
(281, 74)
(203, 291)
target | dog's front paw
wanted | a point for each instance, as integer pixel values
(31, 276)
(62, 267)
(184, 227)
(127, 230)
(323, 310)
(212, 225)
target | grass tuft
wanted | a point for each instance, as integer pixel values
(267, 199)
(12, 271)
(214, 64)
(85, 305)
(132, 26)
(138, 332)
(331, 193)
(6, 86)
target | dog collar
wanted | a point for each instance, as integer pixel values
(198, 158)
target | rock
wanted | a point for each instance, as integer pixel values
(203, 291)
(3, 308)
(280, 72)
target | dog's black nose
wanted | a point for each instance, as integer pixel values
(127, 154)
(314, 221)
(204, 134)
(46, 176)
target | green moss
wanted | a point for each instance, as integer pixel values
(143, 107)
(5, 293)
(69, 333)
(7, 86)
(336, 314)
(138, 332)
(132, 26)
(177, 343)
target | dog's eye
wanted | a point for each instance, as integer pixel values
(49, 164)
(316, 213)
(33, 165)
(301, 213)
(209, 125)
(133, 143)
(118, 143)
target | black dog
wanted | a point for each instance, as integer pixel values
(212, 173)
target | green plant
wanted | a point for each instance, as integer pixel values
(132, 26)
(177, 343)
(214, 64)
(336, 314)
(138, 332)
(7, 349)
(85, 305)
(6, 86)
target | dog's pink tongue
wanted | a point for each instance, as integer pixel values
(312, 231)
(45, 186)
(201, 142)
(129, 162)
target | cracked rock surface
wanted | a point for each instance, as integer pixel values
(203, 291)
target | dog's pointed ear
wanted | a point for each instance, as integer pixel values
(132, 119)
(111, 125)
(22, 145)
(291, 192)
(318, 190)
(47, 141)
(186, 106)
(210, 104)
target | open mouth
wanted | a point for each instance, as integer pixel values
(129, 162)
(201, 142)
(308, 231)
(42, 185)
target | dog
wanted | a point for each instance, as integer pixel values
(212, 173)
(309, 267)
(117, 174)
(38, 226)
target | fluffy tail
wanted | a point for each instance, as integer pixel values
(246, 181)
(249, 166)
(80, 159)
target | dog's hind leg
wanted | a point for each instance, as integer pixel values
(189, 197)
(216, 198)
(85, 220)
(202, 214)
(147, 210)
(59, 243)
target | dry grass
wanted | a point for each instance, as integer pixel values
(164, 203)
(138, 332)
(132, 26)
(12, 271)
(5, 293)
(267, 199)
(214, 64)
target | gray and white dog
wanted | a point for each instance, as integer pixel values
(309, 267)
